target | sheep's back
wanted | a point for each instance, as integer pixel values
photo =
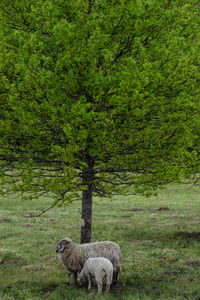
(109, 250)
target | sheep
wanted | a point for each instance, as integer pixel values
(98, 267)
(73, 256)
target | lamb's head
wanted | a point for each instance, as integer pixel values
(82, 279)
(63, 244)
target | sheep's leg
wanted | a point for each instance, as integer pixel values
(115, 276)
(89, 282)
(75, 277)
(68, 278)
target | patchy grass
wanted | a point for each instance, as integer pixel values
(159, 239)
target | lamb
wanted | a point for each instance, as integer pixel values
(98, 267)
(73, 256)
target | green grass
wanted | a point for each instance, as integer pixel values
(159, 239)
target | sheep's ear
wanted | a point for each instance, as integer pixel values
(64, 243)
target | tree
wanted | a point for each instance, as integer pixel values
(97, 97)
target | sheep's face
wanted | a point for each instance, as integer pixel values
(62, 245)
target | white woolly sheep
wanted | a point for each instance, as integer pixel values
(73, 256)
(98, 267)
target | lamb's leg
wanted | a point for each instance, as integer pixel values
(99, 279)
(99, 284)
(107, 285)
(89, 282)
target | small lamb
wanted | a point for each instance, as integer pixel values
(97, 267)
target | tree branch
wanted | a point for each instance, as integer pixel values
(43, 211)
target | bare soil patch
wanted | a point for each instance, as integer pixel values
(133, 209)
(5, 220)
(193, 262)
(163, 208)
(12, 261)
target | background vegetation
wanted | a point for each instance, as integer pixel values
(159, 239)
(97, 96)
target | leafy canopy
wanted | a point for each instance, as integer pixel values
(110, 87)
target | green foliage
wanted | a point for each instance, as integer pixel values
(112, 84)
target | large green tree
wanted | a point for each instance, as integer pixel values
(97, 96)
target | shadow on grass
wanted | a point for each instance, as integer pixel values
(144, 285)
(181, 238)
(185, 239)
(25, 290)
(188, 235)
(32, 286)
(166, 285)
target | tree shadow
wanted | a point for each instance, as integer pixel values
(188, 235)
(33, 286)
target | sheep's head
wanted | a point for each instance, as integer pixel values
(63, 244)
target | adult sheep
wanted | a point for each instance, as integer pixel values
(73, 256)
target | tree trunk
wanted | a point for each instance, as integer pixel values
(86, 226)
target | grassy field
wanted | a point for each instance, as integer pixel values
(159, 239)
